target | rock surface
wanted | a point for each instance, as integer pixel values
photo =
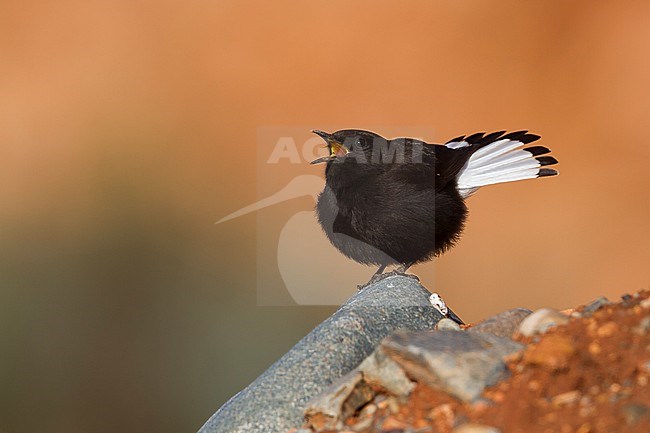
(541, 321)
(380, 369)
(460, 363)
(503, 324)
(589, 375)
(338, 401)
(596, 305)
(448, 324)
(275, 401)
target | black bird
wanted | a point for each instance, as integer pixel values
(402, 201)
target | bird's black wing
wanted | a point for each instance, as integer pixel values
(447, 164)
(426, 164)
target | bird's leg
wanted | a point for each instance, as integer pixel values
(440, 305)
(403, 268)
(377, 276)
(379, 271)
(402, 271)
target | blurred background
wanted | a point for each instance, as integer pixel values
(127, 128)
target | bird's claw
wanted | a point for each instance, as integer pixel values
(378, 277)
(375, 279)
(405, 274)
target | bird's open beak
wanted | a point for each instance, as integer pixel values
(336, 148)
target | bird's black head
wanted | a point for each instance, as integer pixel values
(349, 145)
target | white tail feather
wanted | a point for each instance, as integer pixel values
(495, 149)
(497, 162)
(507, 159)
(490, 170)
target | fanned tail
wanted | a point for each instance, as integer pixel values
(497, 158)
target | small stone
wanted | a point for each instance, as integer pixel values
(596, 305)
(566, 398)
(459, 363)
(552, 352)
(541, 321)
(381, 369)
(327, 410)
(368, 410)
(592, 326)
(615, 387)
(585, 401)
(594, 348)
(503, 324)
(607, 330)
(382, 401)
(393, 406)
(476, 428)
(586, 411)
(362, 424)
(443, 416)
(447, 324)
(513, 358)
(498, 397)
(633, 413)
(481, 405)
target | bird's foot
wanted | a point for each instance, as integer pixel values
(440, 305)
(402, 271)
(378, 277)
(404, 274)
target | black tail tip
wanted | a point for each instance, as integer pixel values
(537, 150)
(543, 172)
(546, 160)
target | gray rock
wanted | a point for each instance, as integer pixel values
(633, 413)
(596, 305)
(503, 324)
(475, 428)
(275, 401)
(541, 321)
(459, 363)
(381, 369)
(340, 400)
(448, 324)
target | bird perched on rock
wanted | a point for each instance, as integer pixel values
(402, 201)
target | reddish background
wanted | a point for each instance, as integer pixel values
(127, 128)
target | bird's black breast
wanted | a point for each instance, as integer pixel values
(392, 214)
